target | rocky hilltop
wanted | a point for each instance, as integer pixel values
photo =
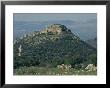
(52, 46)
(56, 29)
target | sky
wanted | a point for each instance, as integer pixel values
(54, 16)
(83, 25)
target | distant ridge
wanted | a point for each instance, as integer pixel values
(92, 42)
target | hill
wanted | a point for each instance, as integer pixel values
(53, 46)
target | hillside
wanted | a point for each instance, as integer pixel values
(53, 46)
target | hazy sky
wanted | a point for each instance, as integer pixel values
(54, 16)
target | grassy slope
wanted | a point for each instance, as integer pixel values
(51, 71)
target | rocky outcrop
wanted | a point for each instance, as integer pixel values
(56, 29)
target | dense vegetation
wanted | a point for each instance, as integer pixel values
(51, 49)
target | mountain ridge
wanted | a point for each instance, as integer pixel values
(92, 42)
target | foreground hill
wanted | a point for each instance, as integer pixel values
(53, 46)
